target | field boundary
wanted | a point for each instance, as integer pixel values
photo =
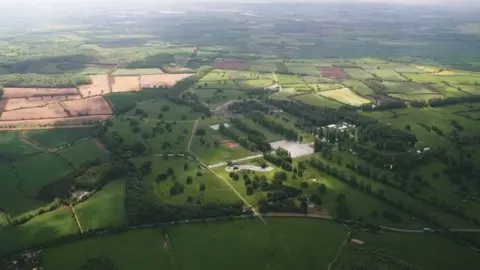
(339, 252)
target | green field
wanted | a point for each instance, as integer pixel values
(408, 88)
(55, 138)
(45, 227)
(358, 73)
(303, 70)
(83, 153)
(216, 189)
(318, 101)
(40, 170)
(139, 71)
(451, 79)
(105, 208)
(274, 248)
(12, 147)
(216, 97)
(289, 79)
(387, 75)
(358, 87)
(162, 109)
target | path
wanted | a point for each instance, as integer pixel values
(193, 134)
(158, 120)
(276, 79)
(76, 218)
(330, 265)
(213, 166)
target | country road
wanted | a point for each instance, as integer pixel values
(213, 166)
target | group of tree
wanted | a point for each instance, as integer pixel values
(255, 141)
(261, 119)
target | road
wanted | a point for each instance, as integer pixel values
(213, 166)
(193, 134)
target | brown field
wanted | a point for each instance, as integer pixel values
(53, 123)
(100, 85)
(22, 103)
(11, 92)
(126, 83)
(54, 110)
(88, 106)
(227, 63)
(168, 80)
(332, 72)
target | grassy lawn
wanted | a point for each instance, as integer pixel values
(55, 138)
(208, 153)
(82, 153)
(37, 171)
(42, 228)
(11, 198)
(12, 147)
(262, 246)
(216, 189)
(104, 208)
(414, 248)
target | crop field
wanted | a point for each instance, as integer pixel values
(103, 209)
(326, 87)
(166, 80)
(289, 79)
(54, 110)
(420, 97)
(9, 92)
(45, 227)
(55, 138)
(408, 88)
(125, 83)
(40, 170)
(451, 79)
(258, 83)
(332, 72)
(13, 147)
(284, 93)
(345, 96)
(358, 73)
(450, 91)
(318, 101)
(387, 75)
(471, 89)
(279, 250)
(358, 87)
(21, 103)
(226, 84)
(100, 84)
(303, 70)
(83, 153)
(87, 106)
(319, 80)
(226, 63)
(402, 68)
(136, 72)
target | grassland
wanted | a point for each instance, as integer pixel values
(408, 88)
(55, 138)
(277, 249)
(45, 227)
(139, 71)
(216, 97)
(40, 170)
(414, 248)
(303, 70)
(315, 100)
(164, 109)
(105, 208)
(358, 73)
(13, 147)
(358, 87)
(451, 79)
(83, 153)
(387, 75)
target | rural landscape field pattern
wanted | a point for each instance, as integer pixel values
(241, 139)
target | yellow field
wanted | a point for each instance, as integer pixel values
(436, 70)
(345, 96)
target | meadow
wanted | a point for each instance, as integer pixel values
(344, 95)
(55, 138)
(83, 153)
(277, 249)
(316, 100)
(13, 147)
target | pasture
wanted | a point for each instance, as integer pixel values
(42, 228)
(216, 97)
(303, 70)
(273, 248)
(450, 79)
(170, 136)
(56, 138)
(408, 88)
(163, 109)
(345, 96)
(136, 71)
(358, 74)
(13, 147)
(358, 87)
(83, 153)
(40, 170)
(105, 208)
(288, 79)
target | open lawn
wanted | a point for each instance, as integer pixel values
(83, 153)
(105, 208)
(271, 246)
(318, 101)
(42, 228)
(414, 248)
(40, 170)
(215, 188)
(345, 96)
(11, 198)
(55, 138)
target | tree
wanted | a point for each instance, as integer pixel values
(280, 176)
(316, 199)
(341, 198)
(343, 212)
(322, 189)
(250, 190)
(185, 166)
(303, 185)
(170, 171)
(189, 180)
(202, 187)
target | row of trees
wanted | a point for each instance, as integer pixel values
(254, 141)
(261, 119)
